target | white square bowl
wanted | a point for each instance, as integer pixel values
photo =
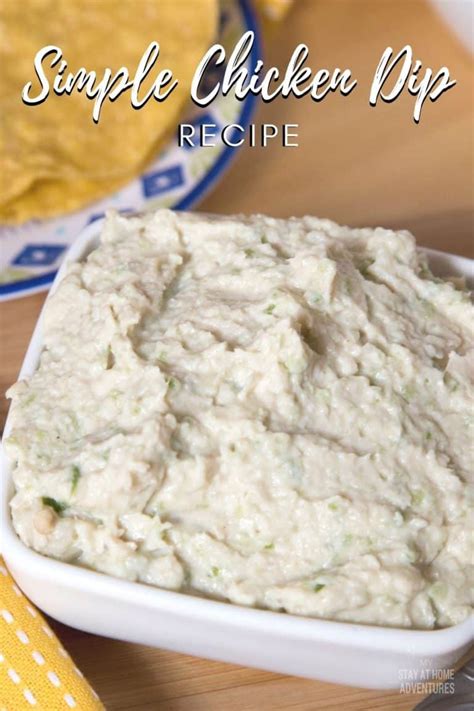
(344, 653)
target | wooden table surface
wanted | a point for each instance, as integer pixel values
(357, 165)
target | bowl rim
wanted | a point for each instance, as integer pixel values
(20, 557)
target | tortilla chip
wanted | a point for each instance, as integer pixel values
(46, 195)
(50, 150)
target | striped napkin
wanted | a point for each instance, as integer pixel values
(35, 669)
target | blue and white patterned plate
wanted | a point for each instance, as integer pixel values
(31, 254)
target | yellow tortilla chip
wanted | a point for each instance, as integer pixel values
(50, 150)
(45, 196)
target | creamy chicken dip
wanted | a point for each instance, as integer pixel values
(276, 413)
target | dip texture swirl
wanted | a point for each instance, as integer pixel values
(277, 413)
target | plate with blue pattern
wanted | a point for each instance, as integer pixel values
(30, 254)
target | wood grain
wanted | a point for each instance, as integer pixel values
(139, 678)
(357, 165)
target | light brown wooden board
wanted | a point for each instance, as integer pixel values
(356, 165)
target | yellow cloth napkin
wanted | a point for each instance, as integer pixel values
(35, 670)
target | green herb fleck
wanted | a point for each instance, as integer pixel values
(263, 239)
(162, 357)
(365, 266)
(314, 298)
(76, 475)
(429, 435)
(58, 506)
(323, 395)
(270, 308)
(417, 497)
(171, 382)
(215, 571)
(165, 537)
(333, 506)
(249, 253)
(318, 587)
(295, 365)
(450, 382)
(74, 421)
(428, 307)
(269, 546)
(424, 272)
(438, 591)
(408, 392)
(348, 286)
